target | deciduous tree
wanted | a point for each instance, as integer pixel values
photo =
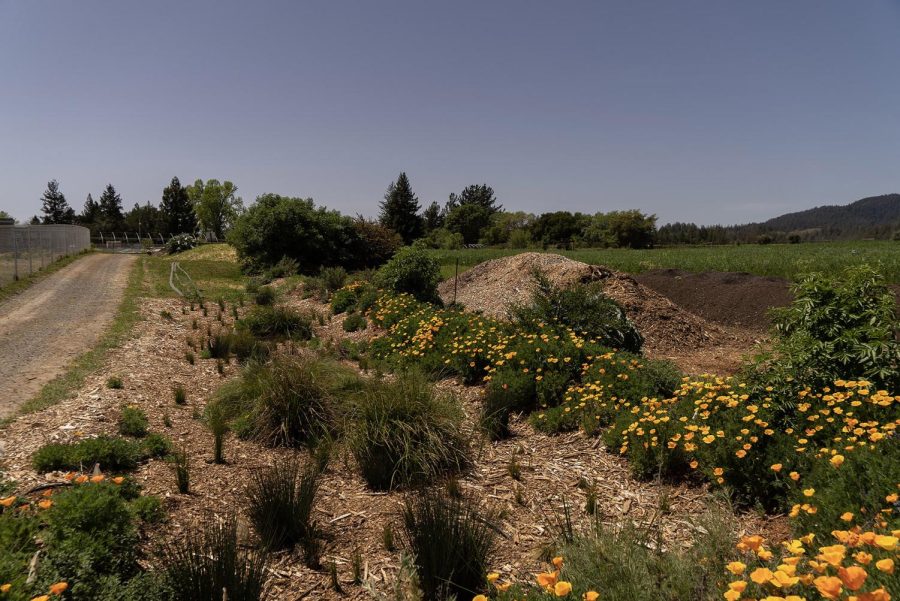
(216, 205)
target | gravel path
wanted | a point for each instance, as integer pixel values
(45, 327)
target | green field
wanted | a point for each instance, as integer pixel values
(787, 261)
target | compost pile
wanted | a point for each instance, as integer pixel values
(493, 286)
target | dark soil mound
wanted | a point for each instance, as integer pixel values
(740, 299)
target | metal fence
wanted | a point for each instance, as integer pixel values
(25, 249)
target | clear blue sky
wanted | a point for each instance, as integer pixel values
(711, 111)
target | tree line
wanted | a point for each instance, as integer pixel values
(209, 207)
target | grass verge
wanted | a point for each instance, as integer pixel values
(126, 317)
(22, 284)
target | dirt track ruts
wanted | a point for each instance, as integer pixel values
(45, 327)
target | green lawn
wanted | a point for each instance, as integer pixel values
(212, 267)
(787, 261)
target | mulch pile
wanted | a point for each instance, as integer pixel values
(492, 287)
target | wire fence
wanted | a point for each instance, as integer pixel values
(25, 249)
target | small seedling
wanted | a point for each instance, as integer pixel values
(189, 357)
(182, 468)
(387, 538)
(356, 564)
(114, 382)
(167, 421)
(220, 366)
(166, 315)
(514, 469)
(194, 324)
(180, 394)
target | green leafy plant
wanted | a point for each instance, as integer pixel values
(114, 382)
(278, 322)
(333, 278)
(354, 322)
(133, 422)
(413, 271)
(583, 308)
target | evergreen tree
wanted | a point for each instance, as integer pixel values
(91, 211)
(177, 209)
(35, 220)
(433, 217)
(478, 194)
(55, 207)
(400, 210)
(111, 209)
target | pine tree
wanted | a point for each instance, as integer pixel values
(177, 209)
(91, 211)
(433, 217)
(55, 207)
(477, 194)
(111, 209)
(400, 210)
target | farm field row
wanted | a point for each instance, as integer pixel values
(787, 261)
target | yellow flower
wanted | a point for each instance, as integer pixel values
(888, 543)
(794, 476)
(45, 504)
(42, 598)
(828, 586)
(590, 596)
(885, 565)
(853, 577)
(479, 598)
(761, 575)
(809, 492)
(557, 562)
(4, 588)
(547, 579)
(837, 460)
(782, 579)
(847, 516)
(493, 576)
(98, 478)
(731, 595)
(562, 589)
(8, 501)
(737, 585)
(776, 467)
(736, 567)
(59, 588)
(502, 586)
(118, 480)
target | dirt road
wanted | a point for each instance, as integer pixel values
(44, 328)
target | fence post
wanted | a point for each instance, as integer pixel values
(15, 257)
(28, 246)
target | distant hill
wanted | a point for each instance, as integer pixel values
(873, 217)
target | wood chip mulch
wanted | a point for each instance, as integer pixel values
(352, 516)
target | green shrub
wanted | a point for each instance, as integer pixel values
(278, 322)
(148, 508)
(155, 445)
(583, 308)
(114, 382)
(200, 565)
(354, 322)
(90, 535)
(411, 270)
(280, 506)
(406, 432)
(181, 243)
(265, 296)
(451, 543)
(113, 454)
(284, 267)
(333, 278)
(343, 300)
(133, 422)
(17, 546)
(839, 326)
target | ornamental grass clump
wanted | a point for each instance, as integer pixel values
(280, 502)
(289, 401)
(209, 564)
(451, 542)
(278, 322)
(406, 432)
